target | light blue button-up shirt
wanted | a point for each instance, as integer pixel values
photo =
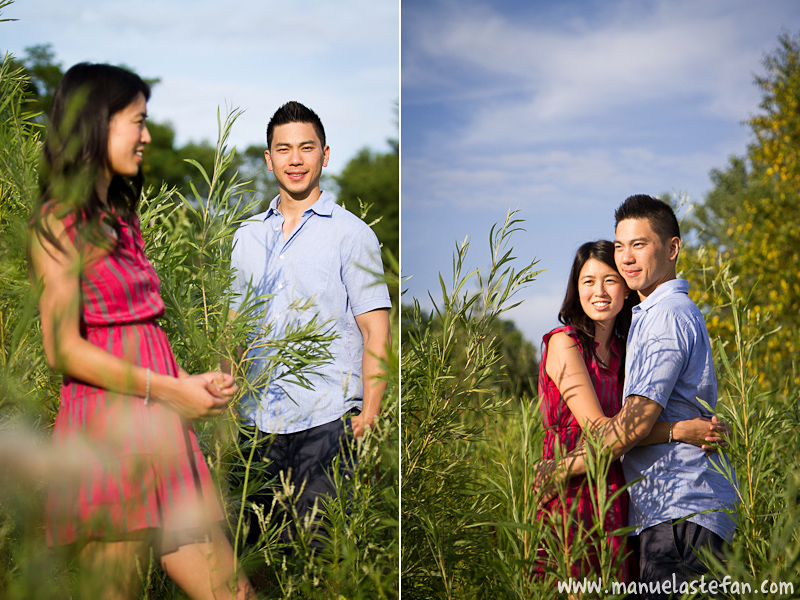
(669, 361)
(331, 259)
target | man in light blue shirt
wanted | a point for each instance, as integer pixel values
(670, 363)
(315, 260)
(668, 366)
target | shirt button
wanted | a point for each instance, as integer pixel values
(281, 257)
(277, 228)
(280, 286)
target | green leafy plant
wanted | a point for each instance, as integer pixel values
(447, 542)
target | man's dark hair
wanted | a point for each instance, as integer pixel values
(660, 215)
(294, 112)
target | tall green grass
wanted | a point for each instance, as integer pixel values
(449, 546)
(763, 450)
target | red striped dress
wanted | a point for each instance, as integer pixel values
(141, 465)
(561, 427)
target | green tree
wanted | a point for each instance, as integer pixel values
(751, 218)
(253, 168)
(164, 163)
(373, 179)
(44, 74)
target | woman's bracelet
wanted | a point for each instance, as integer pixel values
(147, 395)
(671, 423)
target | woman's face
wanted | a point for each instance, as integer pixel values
(127, 136)
(601, 290)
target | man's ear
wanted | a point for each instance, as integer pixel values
(268, 158)
(326, 152)
(674, 248)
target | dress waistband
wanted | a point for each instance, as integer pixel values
(150, 321)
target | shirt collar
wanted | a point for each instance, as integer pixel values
(674, 286)
(322, 207)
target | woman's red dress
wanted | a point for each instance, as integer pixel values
(141, 466)
(561, 427)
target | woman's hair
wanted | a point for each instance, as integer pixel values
(572, 312)
(75, 150)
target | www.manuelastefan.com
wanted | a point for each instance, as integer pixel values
(712, 586)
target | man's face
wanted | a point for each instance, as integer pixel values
(297, 157)
(644, 260)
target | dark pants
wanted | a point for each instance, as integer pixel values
(305, 459)
(669, 552)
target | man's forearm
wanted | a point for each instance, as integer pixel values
(575, 462)
(375, 331)
(374, 382)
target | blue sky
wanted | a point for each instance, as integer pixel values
(340, 58)
(561, 110)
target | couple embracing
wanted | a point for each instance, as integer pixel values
(629, 365)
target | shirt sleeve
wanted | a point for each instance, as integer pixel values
(658, 358)
(362, 274)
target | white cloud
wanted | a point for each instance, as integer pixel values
(553, 109)
(629, 54)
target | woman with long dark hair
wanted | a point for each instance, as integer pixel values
(126, 405)
(580, 386)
